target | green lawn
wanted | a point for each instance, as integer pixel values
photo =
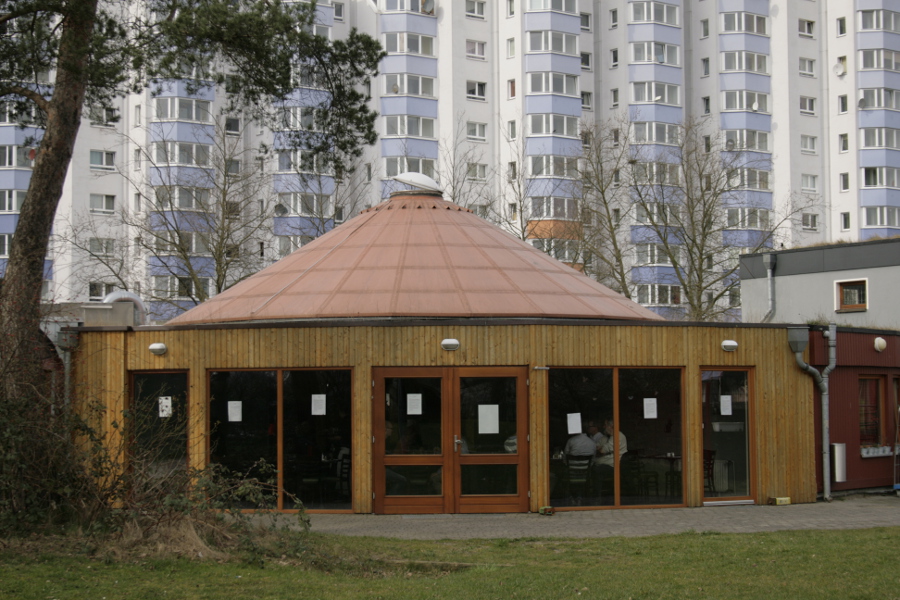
(793, 564)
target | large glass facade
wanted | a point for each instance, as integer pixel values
(615, 437)
(158, 425)
(726, 440)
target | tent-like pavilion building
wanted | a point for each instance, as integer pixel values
(419, 359)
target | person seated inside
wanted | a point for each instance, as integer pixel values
(605, 461)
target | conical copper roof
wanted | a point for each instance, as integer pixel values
(415, 255)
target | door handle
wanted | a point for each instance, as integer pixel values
(456, 443)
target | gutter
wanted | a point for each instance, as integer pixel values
(769, 259)
(798, 338)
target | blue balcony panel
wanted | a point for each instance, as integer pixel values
(411, 22)
(303, 182)
(552, 103)
(15, 179)
(656, 112)
(178, 88)
(654, 72)
(409, 63)
(746, 81)
(746, 120)
(552, 21)
(557, 63)
(409, 147)
(410, 105)
(299, 225)
(879, 197)
(553, 145)
(183, 176)
(655, 32)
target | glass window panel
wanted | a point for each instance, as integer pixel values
(488, 415)
(158, 425)
(489, 479)
(412, 416)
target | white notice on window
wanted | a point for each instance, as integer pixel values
(725, 405)
(574, 422)
(235, 412)
(165, 407)
(488, 418)
(649, 408)
(318, 404)
(414, 404)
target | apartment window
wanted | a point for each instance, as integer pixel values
(182, 198)
(586, 61)
(410, 126)
(510, 47)
(11, 200)
(311, 205)
(557, 5)
(882, 216)
(745, 22)
(654, 12)
(843, 142)
(844, 182)
(552, 124)
(554, 207)
(614, 58)
(585, 21)
(809, 221)
(368, 171)
(881, 58)
(807, 67)
(475, 49)
(880, 98)
(511, 88)
(476, 171)
(656, 173)
(884, 20)
(100, 159)
(746, 100)
(305, 118)
(512, 171)
(166, 286)
(656, 132)
(704, 28)
(808, 144)
(232, 126)
(749, 179)
(747, 218)
(842, 26)
(97, 291)
(655, 213)
(102, 203)
(137, 115)
(101, 246)
(511, 129)
(845, 221)
(655, 52)
(706, 104)
(881, 137)
(306, 161)
(652, 254)
(613, 96)
(881, 177)
(510, 8)
(476, 131)
(338, 11)
(475, 9)
(183, 109)
(553, 41)
(658, 294)
(613, 18)
(104, 117)
(554, 166)
(5, 241)
(554, 83)
(842, 61)
(809, 183)
(587, 100)
(413, 85)
(232, 166)
(806, 27)
(182, 153)
(745, 61)
(852, 295)
(870, 421)
(843, 104)
(707, 144)
(409, 43)
(704, 67)
(655, 92)
(408, 164)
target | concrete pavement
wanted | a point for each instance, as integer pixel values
(850, 512)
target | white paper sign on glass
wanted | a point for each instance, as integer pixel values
(488, 418)
(318, 404)
(649, 408)
(574, 422)
(725, 405)
(165, 407)
(235, 411)
(414, 404)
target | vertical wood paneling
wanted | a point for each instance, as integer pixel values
(783, 432)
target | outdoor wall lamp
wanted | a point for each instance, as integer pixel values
(450, 344)
(880, 344)
(729, 345)
(158, 348)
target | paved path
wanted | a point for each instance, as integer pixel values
(852, 512)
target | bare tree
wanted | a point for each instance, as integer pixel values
(462, 168)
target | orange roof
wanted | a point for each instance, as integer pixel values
(415, 255)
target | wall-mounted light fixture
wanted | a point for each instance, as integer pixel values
(880, 344)
(158, 348)
(729, 345)
(450, 344)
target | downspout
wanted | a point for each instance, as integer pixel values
(798, 338)
(769, 259)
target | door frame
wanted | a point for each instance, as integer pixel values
(451, 500)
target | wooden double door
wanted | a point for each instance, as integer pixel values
(450, 440)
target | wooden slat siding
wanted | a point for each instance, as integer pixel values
(783, 410)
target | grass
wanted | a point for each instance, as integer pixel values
(793, 564)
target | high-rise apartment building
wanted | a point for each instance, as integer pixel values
(491, 99)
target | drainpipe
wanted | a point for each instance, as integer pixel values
(798, 338)
(769, 261)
